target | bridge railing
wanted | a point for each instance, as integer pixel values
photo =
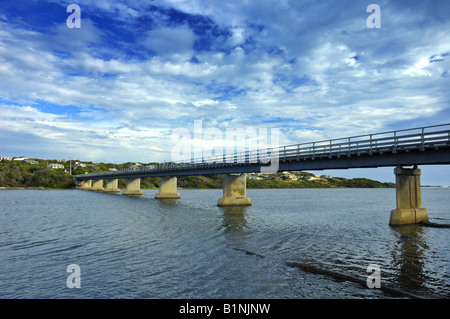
(392, 141)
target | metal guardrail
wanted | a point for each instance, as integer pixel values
(421, 138)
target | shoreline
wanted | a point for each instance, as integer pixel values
(31, 187)
(44, 188)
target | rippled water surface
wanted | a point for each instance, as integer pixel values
(140, 247)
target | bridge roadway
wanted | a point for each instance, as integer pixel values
(411, 147)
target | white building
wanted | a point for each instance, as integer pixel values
(289, 176)
(55, 166)
(312, 178)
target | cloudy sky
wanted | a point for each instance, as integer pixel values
(115, 89)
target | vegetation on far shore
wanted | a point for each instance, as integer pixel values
(21, 174)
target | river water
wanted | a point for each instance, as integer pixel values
(140, 247)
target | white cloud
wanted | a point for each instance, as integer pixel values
(205, 102)
(169, 41)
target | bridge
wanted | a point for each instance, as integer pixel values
(428, 145)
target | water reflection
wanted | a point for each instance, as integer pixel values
(167, 202)
(408, 257)
(234, 218)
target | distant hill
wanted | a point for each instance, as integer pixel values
(41, 173)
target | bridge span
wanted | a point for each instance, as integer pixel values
(410, 147)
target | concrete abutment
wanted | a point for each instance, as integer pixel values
(234, 191)
(85, 184)
(97, 185)
(112, 186)
(408, 197)
(167, 188)
(133, 187)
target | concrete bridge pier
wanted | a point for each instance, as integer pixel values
(409, 200)
(86, 184)
(97, 185)
(112, 186)
(234, 191)
(167, 188)
(133, 187)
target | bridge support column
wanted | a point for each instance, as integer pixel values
(234, 191)
(133, 187)
(409, 200)
(97, 185)
(86, 184)
(112, 186)
(167, 188)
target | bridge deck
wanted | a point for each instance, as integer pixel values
(419, 146)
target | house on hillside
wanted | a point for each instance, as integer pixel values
(254, 176)
(309, 178)
(288, 176)
(55, 166)
(79, 164)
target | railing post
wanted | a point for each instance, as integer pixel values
(423, 139)
(370, 151)
(330, 149)
(349, 147)
(395, 143)
(298, 152)
(314, 150)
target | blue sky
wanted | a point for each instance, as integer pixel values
(115, 89)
